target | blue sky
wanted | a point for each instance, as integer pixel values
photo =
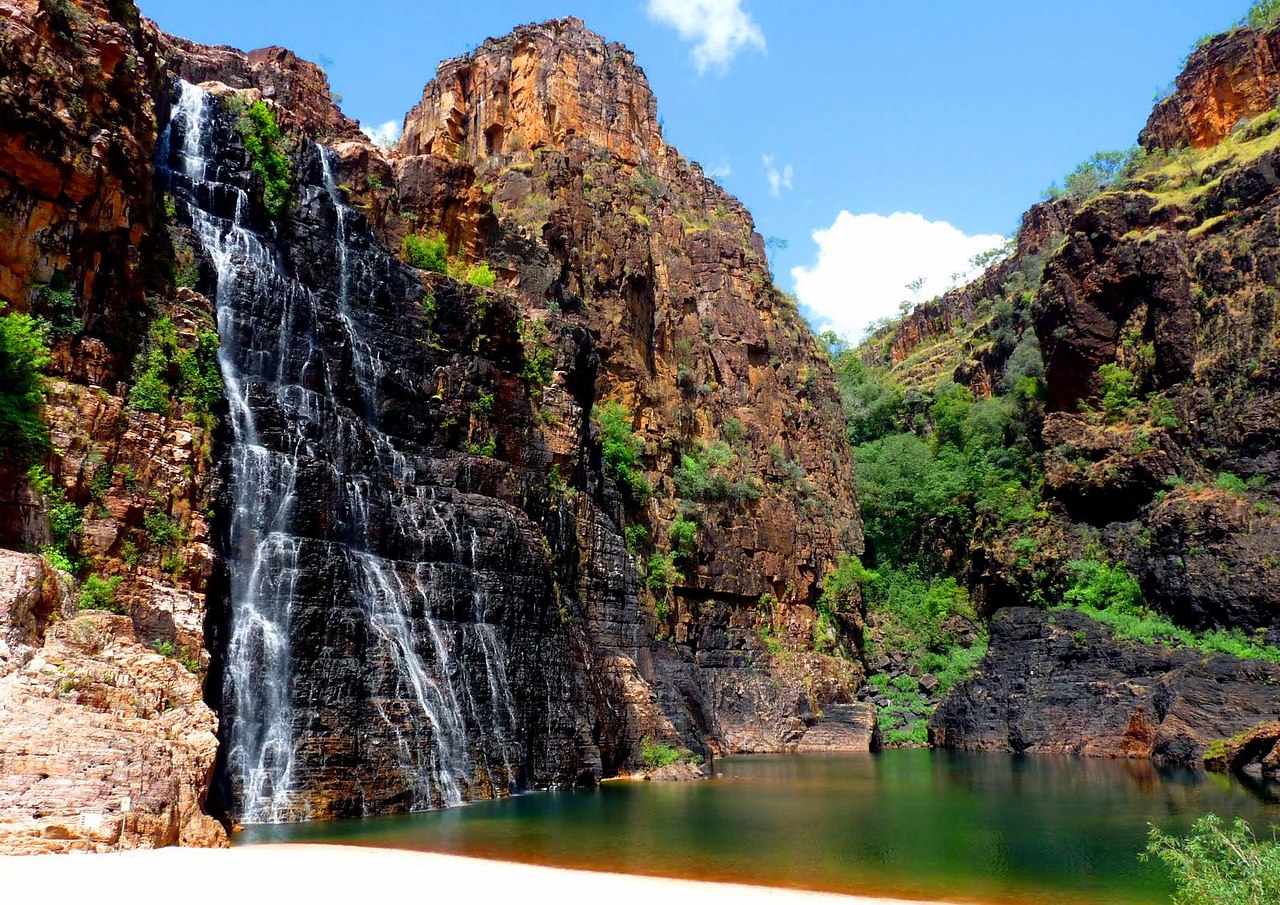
(950, 110)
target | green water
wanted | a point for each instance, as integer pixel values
(1031, 830)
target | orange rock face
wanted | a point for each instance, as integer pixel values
(537, 88)
(1234, 76)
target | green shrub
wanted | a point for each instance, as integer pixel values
(99, 593)
(655, 754)
(636, 536)
(64, 516)
(1219, 863)
(426, 252)
(481, 276)
(661, 575)
(707, 475)
(683, 535)
(56, 304)
(1094, 175)
(161, 528)
(1231, 484)
(1263, 14)
(163, 369)
(622, 451)
(539, 355)
(1099, 586)
(1118, 388)
(163, 647)
(24, 354)
(150, 393)
(265, 145)
(1109, 595)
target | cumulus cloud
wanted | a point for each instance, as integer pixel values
(779, 177)
(866, 261)
(721, 28)
(385, 135)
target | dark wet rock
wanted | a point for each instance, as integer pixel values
(1061, 683)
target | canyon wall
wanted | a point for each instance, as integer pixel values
(356, 517)
(1151, 304)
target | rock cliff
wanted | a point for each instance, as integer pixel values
(375, 512)
(1148, 299)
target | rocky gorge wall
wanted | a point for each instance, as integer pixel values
(388, 547)
(1150, 304)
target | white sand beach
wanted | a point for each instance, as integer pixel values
(276, 874)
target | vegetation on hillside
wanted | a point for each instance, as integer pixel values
(24, 354)
(942, 473)
(268, 155)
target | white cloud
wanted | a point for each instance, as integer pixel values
(721, 28)
(385, 135)
(865, 262)
(779, 177)
(720, 172)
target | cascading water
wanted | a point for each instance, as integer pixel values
(365, 666)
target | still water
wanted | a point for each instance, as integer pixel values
(992, 828)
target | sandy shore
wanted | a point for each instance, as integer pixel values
(279, 874)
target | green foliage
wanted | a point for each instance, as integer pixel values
(164, 369)
(539, 355)
(24, 355)
(161, 528)
(622, 451)
(426, 252)
(487, 448)
(874, 404)
(655, 754)
(483, 405)
(1119, 386)
(637, 536)
(1263, 14)
(1094, 175)
(683, 536)
(921, 497)
(707, 475)
(163, 647)
(1098, 585)
(99, 593)
(268, 160)
(1223, 864)
(55, 303)
(64, 516)
(481, 276)
(661, 574)
(1231, 483)
(1108, 594)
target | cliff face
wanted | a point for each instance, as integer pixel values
(1232, 77)
(563, 132)
(1151, 305)
(382, 531)
(105, 740)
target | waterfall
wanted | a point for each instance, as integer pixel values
(354, 682)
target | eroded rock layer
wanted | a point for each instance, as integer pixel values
(390, 546)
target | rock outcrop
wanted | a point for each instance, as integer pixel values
(104, 742)
(1254, 752)
(1231, 77)
(105, 739)
(1060, 683)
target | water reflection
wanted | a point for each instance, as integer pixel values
(1031, 830)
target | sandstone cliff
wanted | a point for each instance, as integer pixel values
(418, 457)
